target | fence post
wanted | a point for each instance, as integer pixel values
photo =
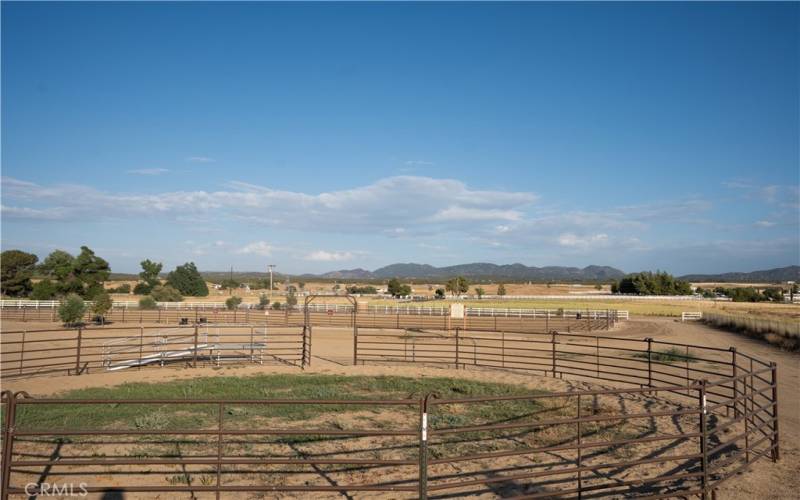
(194, 360)
(649, 361)
(776, 454)
(141, 345)
(580, 451)
(78, 353)
(458, 345)
(8, 437)
(553, 341)
(423, 448)
(735, 382)
(355, 346)
(703, 439)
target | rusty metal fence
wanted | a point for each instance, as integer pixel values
(638, 442)
(27, 353)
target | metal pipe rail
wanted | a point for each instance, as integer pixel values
(586, 439)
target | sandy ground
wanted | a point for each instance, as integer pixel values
(332, 350)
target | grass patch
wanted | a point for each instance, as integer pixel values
(115, 415)
(671, 355)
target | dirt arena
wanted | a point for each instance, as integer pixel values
(332, 354)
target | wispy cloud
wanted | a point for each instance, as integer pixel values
(200, 159)
(148, 171)
(261, 248)
(394, 202)
(325, 256)
(419, 163)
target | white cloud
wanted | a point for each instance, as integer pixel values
(457, 213)
(324, 256)
(415, 203)
(419, 163)
(200, 159)
(148, 171)
(589, 241)
(261, 248)
(765, 223)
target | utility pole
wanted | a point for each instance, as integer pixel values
(270, 268)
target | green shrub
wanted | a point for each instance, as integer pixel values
(148, 302)
(72, 309)
(276, 305)
(123, 288)
(165, 293)
(142, 289)
(233, 302)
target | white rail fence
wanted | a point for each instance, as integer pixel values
(344, 308)
(691, 316)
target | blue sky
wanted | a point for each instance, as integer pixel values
(329, 136)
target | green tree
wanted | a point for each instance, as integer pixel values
(439, 293)
(148, 302)
(72, 309)
(397, 289)
(92, 271)
(44, 290)
(166, 293)
(142, 289)
(457, 285)
(102, 304)
(83, 275)
(263, 301)
(501, 289)
(648, 283)
(187, 280)
(480, 292)
(276, 305)
(16, 269)
(150, 272)
(233, 302)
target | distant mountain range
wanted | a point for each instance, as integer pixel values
(779, 274)
(482, 270)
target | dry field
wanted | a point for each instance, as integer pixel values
(332, 349)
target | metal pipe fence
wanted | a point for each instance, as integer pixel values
(75, 351)
(532, 445)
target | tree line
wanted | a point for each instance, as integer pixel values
(649, 283)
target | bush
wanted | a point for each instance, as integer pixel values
(44, 290)
(233, 302)
(364, 290)
(102, 304)
(165, 293)
(276, 305)
(440, 293)
(142, 289)
(123, 288)
(148, 302)
(72, 309)
(501, 289)
(263, 301)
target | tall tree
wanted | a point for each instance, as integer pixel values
(150, 272)
(83, 275)
(501, 289)
(187, 280)
(17, 269)
(92, 271)
(457, 285)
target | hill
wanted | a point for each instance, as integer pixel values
(483, 270)
(777, 275)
